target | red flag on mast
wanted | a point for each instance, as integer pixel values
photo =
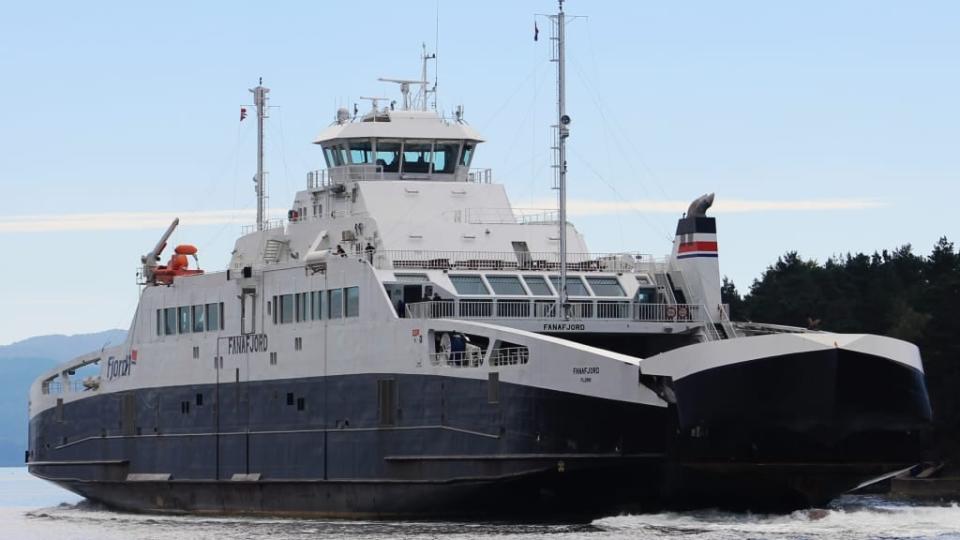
(243, 113)
(536, 31)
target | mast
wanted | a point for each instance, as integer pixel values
(260, 101)
(560, 154)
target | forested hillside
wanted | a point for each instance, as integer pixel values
(898, 293)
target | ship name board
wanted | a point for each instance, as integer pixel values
(247, 343)
(564, 327)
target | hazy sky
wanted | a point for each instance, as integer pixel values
(823, 126)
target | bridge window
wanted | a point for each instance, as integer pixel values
(605, 286)
(507, 285)
(538, 286)
(469, 285)
(417, 156)
(361, 151)
(445, 156)
(388, 155)
(467, 154)
(575, 286)
(352, 295)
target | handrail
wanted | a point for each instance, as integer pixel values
(710, 328)
(404, 259)
(548, 310)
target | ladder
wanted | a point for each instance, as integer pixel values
(271, 252)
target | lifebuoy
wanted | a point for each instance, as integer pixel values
(682, 312)
(671, 312)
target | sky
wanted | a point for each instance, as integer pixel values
(823, 127)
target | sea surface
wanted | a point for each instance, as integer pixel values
(32, 509)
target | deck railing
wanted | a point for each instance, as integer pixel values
(548, 310)
(512, 260)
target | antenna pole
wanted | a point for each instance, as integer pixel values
(260, 101)
(563, 131)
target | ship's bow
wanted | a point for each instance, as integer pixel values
(792, 420)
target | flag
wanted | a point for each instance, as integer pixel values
(536, 31)
(243, 113)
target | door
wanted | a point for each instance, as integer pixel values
(232, 364)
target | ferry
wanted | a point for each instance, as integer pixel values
(408, 344)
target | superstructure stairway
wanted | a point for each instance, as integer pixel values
(271, 253)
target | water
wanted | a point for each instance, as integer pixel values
(31, 509)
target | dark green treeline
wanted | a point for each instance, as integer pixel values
(898, 294)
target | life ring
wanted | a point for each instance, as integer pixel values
(682, 312)
(671, 312)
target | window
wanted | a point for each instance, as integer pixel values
(469, 285)
(214, 317)
(467, 154)
(506, 285)
(412, 278)
(361, 151)
(575, 286)
(332, 157)
(301, 403)
(388, 155)
(335, 303)
(538, 286)
(286, 308)
(199, 321)
(170, 321)
(297, 343)
(184, 407)
(273, 358)
(352, 297)
(605, 286)
(289, 398)
(417, 157)
(646, 295)
(159, 322)
(317, 305)
(185, 323)
(302, 308)
(196, 352)
(199, 400)
(445, 156)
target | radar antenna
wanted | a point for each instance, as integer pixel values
(423, 92)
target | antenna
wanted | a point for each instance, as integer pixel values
(560, 149)
(260, 100)
(374, 101)
(424, 90)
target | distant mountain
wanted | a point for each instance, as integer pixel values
(24, 361)
(59, 347)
